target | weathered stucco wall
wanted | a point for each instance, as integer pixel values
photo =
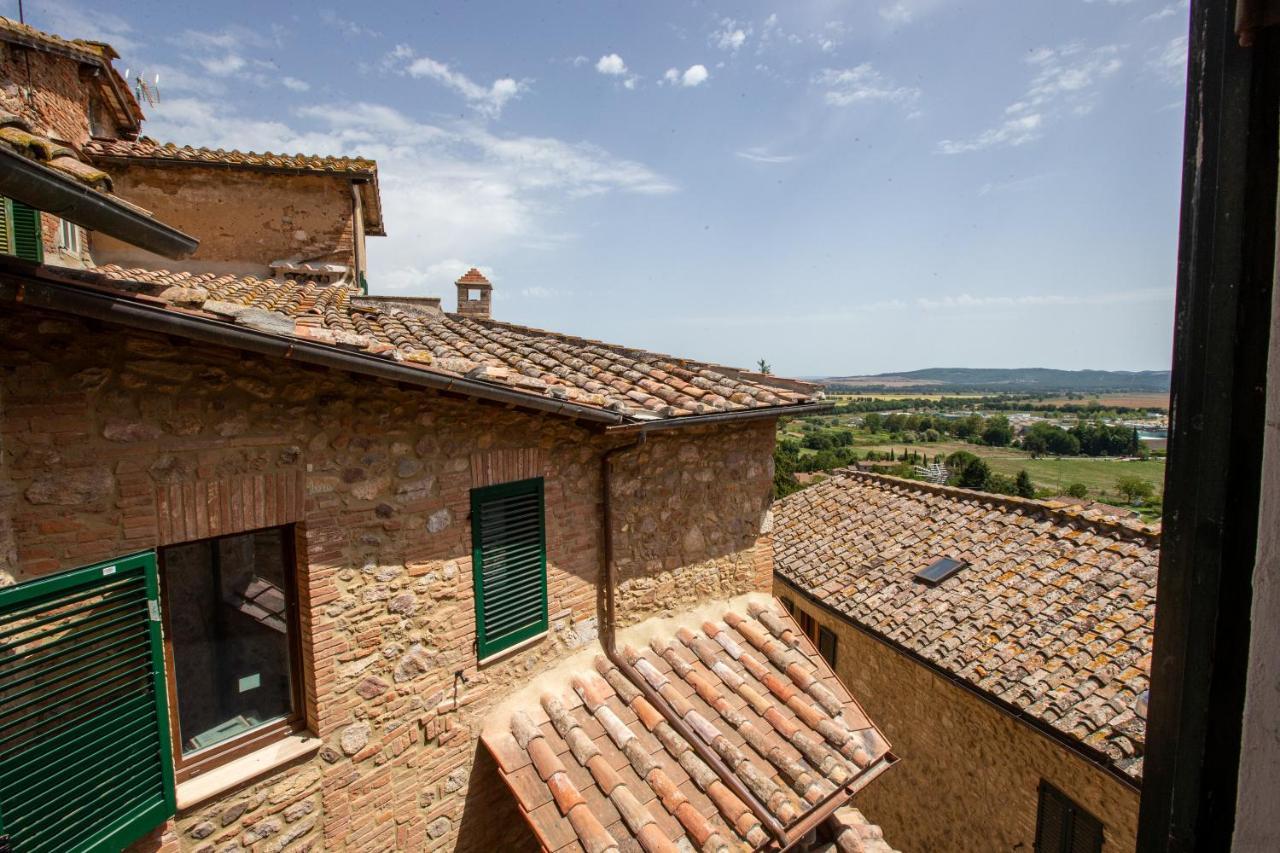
(1256, 825)
(969, 773)
(108, 435)
(244, 219)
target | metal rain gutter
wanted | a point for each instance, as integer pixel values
(682, 421)
(47, 189)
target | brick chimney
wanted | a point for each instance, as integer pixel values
(474, 292)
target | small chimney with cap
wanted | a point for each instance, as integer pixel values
(474, 294)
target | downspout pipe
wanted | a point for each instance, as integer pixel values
(608, 636)
(46, 189)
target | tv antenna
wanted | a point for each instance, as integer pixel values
(143, 90)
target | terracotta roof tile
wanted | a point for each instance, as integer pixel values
(533, 361)
(664, 797)
(146, 148)
(1054, 613)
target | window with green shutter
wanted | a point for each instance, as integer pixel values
(20, 233)
(1064, 827)
(85, 763)
(509, 562)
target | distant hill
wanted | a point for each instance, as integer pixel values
(1026, 380)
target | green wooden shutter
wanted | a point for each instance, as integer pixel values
(24, 231)
(85, 762)
(6, 231)
(509, 563)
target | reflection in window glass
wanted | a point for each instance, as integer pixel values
(227, 602)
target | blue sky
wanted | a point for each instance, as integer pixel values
(837, 187)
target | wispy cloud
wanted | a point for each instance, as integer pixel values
(1169, 60)
(74, 20)
(487, 100)
(346, 26)
(293, 84)
(763, 155)
(488, 192)
(1065, 81)
(730, 35)
(861, 84)
(1178, 8)
(539, 292)
(1044, 300)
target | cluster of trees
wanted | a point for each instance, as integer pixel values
(972, 472)
(994, 431)
(1089, 439)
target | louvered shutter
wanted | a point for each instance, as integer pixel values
(509, 562)
(1086, 833)
(827, 645)
(85, 762)
(24, 223)
(6, 232)
(1052, 821)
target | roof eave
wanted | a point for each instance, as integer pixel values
(739, 416)
(37, 287)
(48, 190)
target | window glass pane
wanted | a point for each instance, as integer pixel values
(227, 609)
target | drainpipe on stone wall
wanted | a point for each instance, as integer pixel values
(703, 750)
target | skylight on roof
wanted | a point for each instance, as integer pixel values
(939, 570)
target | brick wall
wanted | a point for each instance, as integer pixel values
(244, 219)
(969, 775)
(114, 442)
(59, 99)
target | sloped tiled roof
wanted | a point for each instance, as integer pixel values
(17, 134)
(595, 767)
(145, 148)
(630, 382)
(1054, 613)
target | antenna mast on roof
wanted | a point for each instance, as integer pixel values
(144, 91)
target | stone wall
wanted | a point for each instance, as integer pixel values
(969, 773)
(245, 219)
(114, 442)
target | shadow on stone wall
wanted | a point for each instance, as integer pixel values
(491, 820)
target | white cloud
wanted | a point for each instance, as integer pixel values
(539, 292)
(762, 155)
(1170, 61)
(293, 84)
(902, 12)
(611, 64)
(731, 35)
(1169, 11)
(861, 84)
(73, 20)
(450, 191)
(488, 100)
(671, 76)
(694, 75)
(965, 300)
(579, 61)
(342, 25)
(1066, 80)
(224, 65)
(1012, 132)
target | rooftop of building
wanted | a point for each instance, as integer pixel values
(594, 766)
(1053, 615)
(622, 385)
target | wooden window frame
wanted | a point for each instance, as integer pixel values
(808, 625)
(487, 649)
(186, 767)
(1077, 814)
(824, 634)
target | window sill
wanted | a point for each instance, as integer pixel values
(518, 647)
(205, 787)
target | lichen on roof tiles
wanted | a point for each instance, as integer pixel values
(749, 684)
(145, 148)
(1054, 613)
(627, 381)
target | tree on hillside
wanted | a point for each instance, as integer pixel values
(1134, 489)
(996, 431)
(974, 475)
(1022, 484)
(872, 421)
(1078, 490)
